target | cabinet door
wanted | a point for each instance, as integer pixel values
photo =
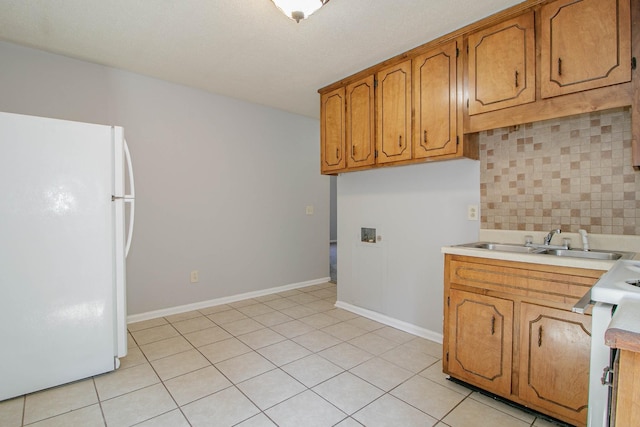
(393, 96)
(332, 131)
(360, 123)
(480, 340)
(585, 44)
(502, 65)
(554, 360)
(434, 94)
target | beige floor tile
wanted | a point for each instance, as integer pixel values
(131, 343)
(373, 343)
(146, 324)
(170, 419)
(272, 319)
(348, 422)
(259, 420)
(426, 346)
(183, 316)
(395, 335)
(319, 320)
(134, 357)
(197, 384)
(138, 406)
(293, 328)
(543, 423)
(409, 358)
(261, 338)
(158, 333)
(346, 355)
(306, 409)
(382, 374)
(284, 352)
(227, 316)
(281, 303)
(243, 303)
(303, 298)
(246, 366)
(366, 324)
(348, 392)
(298, 311)
(268, 297)
(123, 381)
(391, 412)
(323, 293)
(316, 340)
(207, 336)
(215, 309)
(89, 416)
(243, 326)
(58, 400)
(503, 407)
(312, 370)
(470, 411)
(344, 331)
(321, 306)
(227, 407)
(271, 388)
(193, 324)
(341, 314)
(434, 373)
(255, 310)
(223, 350)
(164, 348)
(11, 412)
(441, 400)
(179, 364)
(289, 293)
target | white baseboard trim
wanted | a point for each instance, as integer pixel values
(219, 301)
(390, 321)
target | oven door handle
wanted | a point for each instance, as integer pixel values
(583, 303)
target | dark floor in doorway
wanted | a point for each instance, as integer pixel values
(333, 263)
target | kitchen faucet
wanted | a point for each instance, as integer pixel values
(547, 240)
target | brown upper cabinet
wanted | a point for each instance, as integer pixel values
(502, 65)
(435, 102)
(585, 44)
(332, 135)
(393, 97)
(360, 123)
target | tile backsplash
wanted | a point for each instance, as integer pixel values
(574, 172)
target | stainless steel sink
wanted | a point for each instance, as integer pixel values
(571, 253)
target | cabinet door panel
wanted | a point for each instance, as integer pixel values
(332, 132)
(554, 360)
(434, 94)
(360, 123)
(502, 65)
(585, 44)
(480, 346)
(394, 113)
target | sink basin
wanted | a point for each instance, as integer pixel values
(571, 253)
(501, 247)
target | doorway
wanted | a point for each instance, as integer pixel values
(333, 229)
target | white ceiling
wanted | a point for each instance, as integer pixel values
(245, 49)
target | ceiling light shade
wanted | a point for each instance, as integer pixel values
(299, 9)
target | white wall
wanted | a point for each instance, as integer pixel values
(416, 210)
(221, 184)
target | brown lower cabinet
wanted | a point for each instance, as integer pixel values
(509, 330)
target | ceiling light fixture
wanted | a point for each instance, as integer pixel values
(299, 9)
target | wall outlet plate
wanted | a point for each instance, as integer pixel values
(195, 276)
(472, 212)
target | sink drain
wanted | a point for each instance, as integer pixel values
(635, 282)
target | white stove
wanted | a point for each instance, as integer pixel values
(621, 281)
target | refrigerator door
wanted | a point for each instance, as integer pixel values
(57, 252)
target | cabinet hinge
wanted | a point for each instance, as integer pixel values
(448, 301)
(457, 140)
(457, 52)
(375, 154)
(467, 102)
(447, 356)
(467, 49)
(633, 63)
(375, 83)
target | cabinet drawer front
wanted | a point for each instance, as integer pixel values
(480, 344)
(520, 281)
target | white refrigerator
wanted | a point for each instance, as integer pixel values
(63, 244)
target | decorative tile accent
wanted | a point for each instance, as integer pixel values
(572, 173)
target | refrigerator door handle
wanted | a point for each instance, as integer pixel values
(130, 198)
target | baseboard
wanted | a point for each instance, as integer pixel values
(219, 301)
(390, 321)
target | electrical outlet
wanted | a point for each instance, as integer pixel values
(195, 277)
(472, 212)
(309, 210)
